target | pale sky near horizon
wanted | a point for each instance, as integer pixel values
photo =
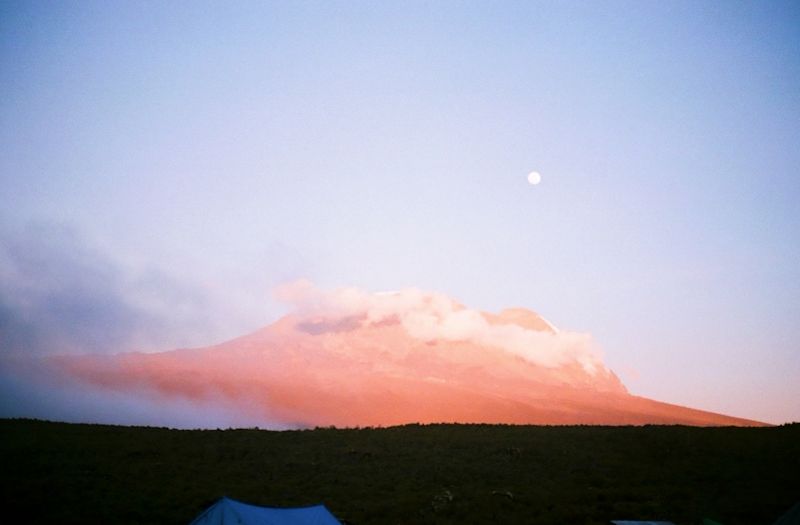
(164, 165)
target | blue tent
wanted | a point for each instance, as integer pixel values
(228, 511)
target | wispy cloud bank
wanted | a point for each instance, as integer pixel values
(60, 295)
(39, 392)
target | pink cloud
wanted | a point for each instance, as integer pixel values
(430, 316)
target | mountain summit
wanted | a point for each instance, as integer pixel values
(350, 358)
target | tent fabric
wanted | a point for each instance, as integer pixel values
(228, 511)
(790, 517)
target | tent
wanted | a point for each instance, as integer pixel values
(227, 511)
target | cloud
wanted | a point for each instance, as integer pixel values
(431, 316)
(35, 391)
(58, 294)
(61, 295)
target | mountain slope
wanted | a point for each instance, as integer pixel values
(395, 361)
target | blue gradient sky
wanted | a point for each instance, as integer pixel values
(164, 165)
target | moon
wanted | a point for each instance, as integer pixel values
(534, 178)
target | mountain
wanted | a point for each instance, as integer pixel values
(387, 359)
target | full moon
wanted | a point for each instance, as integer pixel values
(534, 178)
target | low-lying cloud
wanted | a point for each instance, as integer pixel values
(60, 295)
(35, 391)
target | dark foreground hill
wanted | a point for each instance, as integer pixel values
(68, 473)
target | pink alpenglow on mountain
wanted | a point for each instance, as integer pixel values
(351, 358)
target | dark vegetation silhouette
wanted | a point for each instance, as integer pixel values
(77, 473)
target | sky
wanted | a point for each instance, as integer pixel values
(164, 167)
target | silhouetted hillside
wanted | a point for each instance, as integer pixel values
(69, 473)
